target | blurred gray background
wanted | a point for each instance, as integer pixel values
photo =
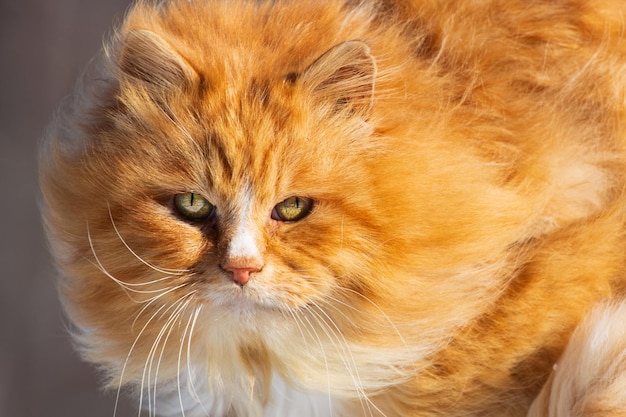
(44, 44)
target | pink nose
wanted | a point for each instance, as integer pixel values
(240, 272)
(241, 276)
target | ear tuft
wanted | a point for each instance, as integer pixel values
(344, 75)
(147, 57)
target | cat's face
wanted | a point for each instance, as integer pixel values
(233, 195)
(236, 184)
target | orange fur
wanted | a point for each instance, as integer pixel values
(466, 163)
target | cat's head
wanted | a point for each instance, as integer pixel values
(176, 185)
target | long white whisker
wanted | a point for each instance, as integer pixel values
(343, 349)
(125, 286)
(150, 358)
(192, 388)
(300, 324)
(145, 326)
(350, 362)
(153, 299)
(351, 307)
(166, 331)
(376, 306)
(313, 333)
(169, 325)
(147, 369)
(139, 258)
(180, 354)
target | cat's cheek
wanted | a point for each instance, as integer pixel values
(184, 246)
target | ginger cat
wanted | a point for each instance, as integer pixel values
(349, 208)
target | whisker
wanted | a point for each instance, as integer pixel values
(351, 307)
(323, 350)
(168, 326)
(367, 299)
(180, 354)
(343, 349)
(127, 287)
(335, 335)
(192, 389)
(132, 348)
(386, 317)
(153, 299)
(150, 358)
(300, 324)
(139, 258)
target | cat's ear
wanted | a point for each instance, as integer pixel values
(344, 75)
(147, 57)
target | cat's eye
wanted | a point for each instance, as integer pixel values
(193, 206)
(292, 209)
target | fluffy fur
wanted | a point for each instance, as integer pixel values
(466, 163)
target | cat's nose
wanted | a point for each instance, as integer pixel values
(240, 274)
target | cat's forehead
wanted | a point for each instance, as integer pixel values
(250, 135)
(220, 118)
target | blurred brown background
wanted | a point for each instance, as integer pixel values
(43, 46)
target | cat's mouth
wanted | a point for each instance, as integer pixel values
(244, 299)
(268, 291)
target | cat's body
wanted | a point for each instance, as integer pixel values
(398, 208)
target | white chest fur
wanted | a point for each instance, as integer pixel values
(193, 400)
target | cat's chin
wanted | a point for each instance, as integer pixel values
(240, 302)
(244, 304)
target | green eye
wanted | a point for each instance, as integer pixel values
(193, 206)
(292, 209)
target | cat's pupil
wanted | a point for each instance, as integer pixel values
(292, 209)
(193, 206)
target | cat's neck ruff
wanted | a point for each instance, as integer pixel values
(195, 400)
